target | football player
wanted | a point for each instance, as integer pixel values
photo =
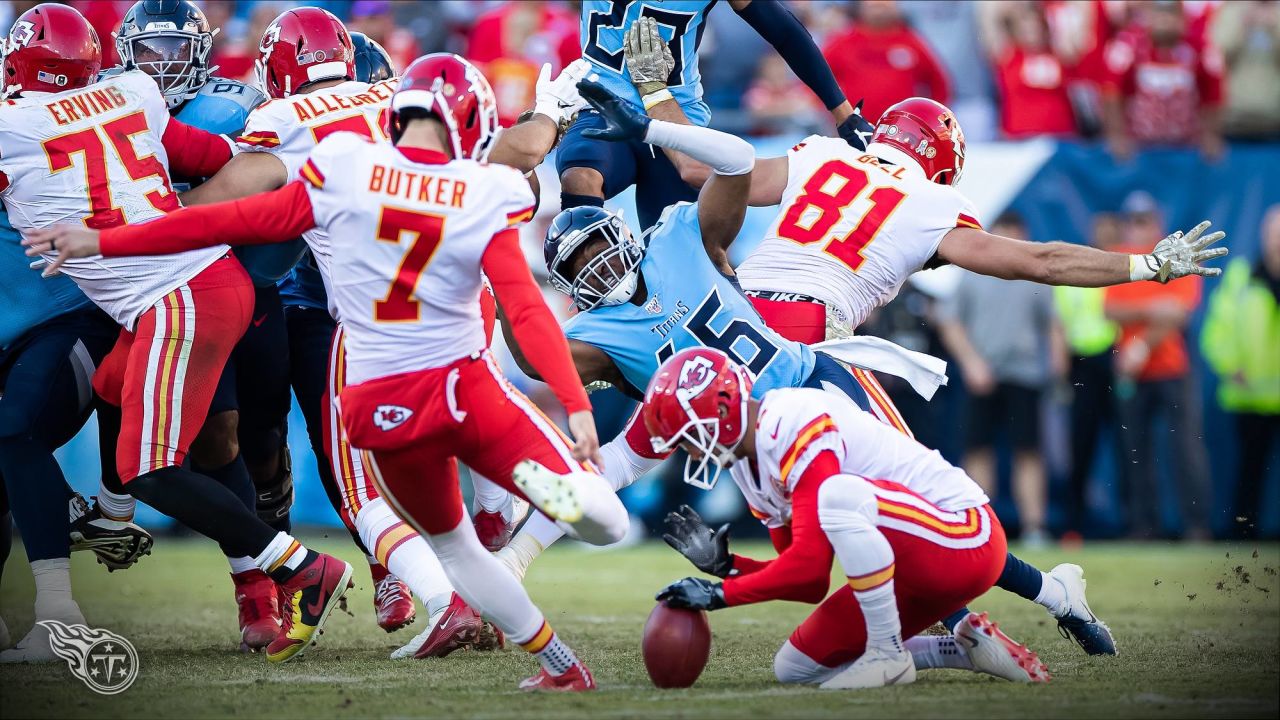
(408, 227)
(592, 170)
(180, 315)
(915, 536)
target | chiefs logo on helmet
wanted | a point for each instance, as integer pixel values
(390, 417)
(695, 375)
(21, 34)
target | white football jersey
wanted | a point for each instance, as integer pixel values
(403, 243)
(95, 155)
(851, 229)
(794, 425)
(290, 128)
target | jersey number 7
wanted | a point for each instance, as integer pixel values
(854, 181)
(119, 133)
(427, 230)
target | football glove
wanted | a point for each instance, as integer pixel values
(558, 98)
(708, 550)
(622, 120)
(1179, 255)
(694, 594)
(856, 129)
(648, 57)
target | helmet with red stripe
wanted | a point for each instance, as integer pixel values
(454, 92)
(50, 48)
(302, 46)
(925, 132)
(698, 399)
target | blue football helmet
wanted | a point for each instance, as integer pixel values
(373, 63)
(608, 278)
(169, 40)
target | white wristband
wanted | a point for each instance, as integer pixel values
(656, 97)
(726, 154)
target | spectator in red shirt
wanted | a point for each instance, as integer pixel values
(881, 60)
(511, 43)
(1031, 80)
(1164, 89)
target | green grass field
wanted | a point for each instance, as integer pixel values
(1198, 628)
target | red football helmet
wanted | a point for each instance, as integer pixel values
(457, 93)
(927, 132)
(51, 48)
(698, 397)
(302, 46)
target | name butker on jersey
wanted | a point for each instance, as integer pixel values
(95, 155)
(851, 229)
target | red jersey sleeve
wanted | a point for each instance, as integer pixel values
(535, 328)
(803, 571)
(194, 153)
(781, 538)
(268, 217)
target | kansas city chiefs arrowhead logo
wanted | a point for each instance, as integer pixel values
(695, 375)
(390, 417)
(21, 34)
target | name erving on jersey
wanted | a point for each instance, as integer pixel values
(410, 185)
(672, 320)
(88, 103)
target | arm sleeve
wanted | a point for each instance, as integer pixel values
(783, 31)
(268, 217)
(742, 565)
(535, 328)
(803, 571)
(193, 152)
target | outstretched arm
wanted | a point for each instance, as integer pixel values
(1059, 263)
(247, 174)
(788, 36)
(194, 152)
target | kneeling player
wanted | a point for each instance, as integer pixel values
(914, 548)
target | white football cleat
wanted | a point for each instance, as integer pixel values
(994, 653)
(1076, 620)
(34, 647)
(876, 668)
(549, 491)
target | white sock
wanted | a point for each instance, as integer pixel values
(622, 466)
(554, 655)
(401, 550)
(937, 651)
(53, 590)
(1053, 596)
(482, 581)
(604, 519)
(880, 610)
(490, 496)
(113, 506)
(524, 548)
(241, 564)
(281, 552)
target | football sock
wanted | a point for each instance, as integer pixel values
(880, 610)
(604, 519)
(1052, 595)
(204, 506)
(282, 557)
(1020, 578)
(482, 581)
(490, 496)
(524, 548)
(937, 651)
(952, 621)
(241, 564)
(622, 465)
(847, 512)
(403, 552)
(570, 200)
(545, 645)
(114, 506)
(53, 590)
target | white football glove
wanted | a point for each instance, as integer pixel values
(1179, 255)
(558, 99)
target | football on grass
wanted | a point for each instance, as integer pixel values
(676, 645)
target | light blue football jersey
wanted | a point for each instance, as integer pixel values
(27, 298)
(690, 303)
(604, 24)
(222, 107)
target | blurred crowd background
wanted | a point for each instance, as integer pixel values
(1146, 411)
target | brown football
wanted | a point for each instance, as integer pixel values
(676, 646)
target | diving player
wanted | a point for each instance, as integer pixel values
(592, 170)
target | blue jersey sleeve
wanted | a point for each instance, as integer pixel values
(29, 299)
(221, 106)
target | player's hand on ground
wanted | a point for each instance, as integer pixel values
(1179, 255)
(856, 130)
(708, 550)
(623, 121)
(586, 444)
(558, 97)
(65, 241)
(648, 57)
(694, 594)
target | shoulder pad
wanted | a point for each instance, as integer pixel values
(245, 95)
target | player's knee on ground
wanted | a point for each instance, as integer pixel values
(794, 667)
(846, 502)
(217, 444)
(582, 181)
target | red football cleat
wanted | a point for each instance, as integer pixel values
(459, 627)
(392, 600)
(577, 679)
(313, 592)
(259, 613)
(492, 529)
